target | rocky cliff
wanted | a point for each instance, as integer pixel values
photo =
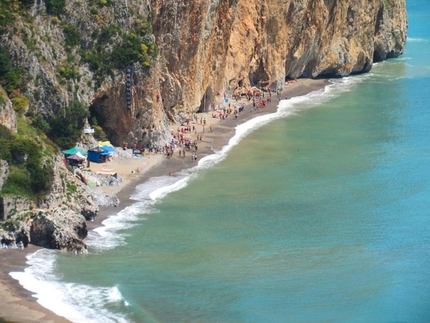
(204, 47)
(137, 64)
(59, 219)
(217, 45)
(56, 221)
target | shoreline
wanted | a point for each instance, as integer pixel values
(211, 142)
(18, 303)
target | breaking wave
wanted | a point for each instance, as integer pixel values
(84, 303)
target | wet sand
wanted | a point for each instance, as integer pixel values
(18, 305)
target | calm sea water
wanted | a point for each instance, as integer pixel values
(320, 214)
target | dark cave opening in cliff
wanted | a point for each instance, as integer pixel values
(207, 100)
(259, 75)
(96, 118)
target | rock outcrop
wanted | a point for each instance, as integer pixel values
(59, 219)
(60, 230)
(204, 47)
(56, 221)
(211, 46)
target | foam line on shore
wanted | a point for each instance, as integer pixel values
(419, 40)
(77, 303)
(105, 237)
(154, 189)
(83, 303)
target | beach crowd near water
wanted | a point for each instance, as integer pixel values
(199, 135)
(195, 125)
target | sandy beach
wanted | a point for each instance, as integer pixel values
(18, 305)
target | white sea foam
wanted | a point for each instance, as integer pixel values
(404, 58)
(158, 187)
(416, 39)
(78, 303)
(83, 303)
(106, 236)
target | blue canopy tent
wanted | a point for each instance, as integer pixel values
(97, 155)
(108, 149)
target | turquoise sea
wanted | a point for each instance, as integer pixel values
(318, 213)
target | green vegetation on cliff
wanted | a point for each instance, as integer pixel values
(30, 172)
(10, 10)
(53, 56)
(9, 77)
(55, 7)
(66, 127)
(29, 151)
(112, 47)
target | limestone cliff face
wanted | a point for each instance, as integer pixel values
(203, 47)
(214, 46)
(210, 46)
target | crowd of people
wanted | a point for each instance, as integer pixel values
(182, 142)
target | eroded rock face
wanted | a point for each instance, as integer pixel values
(59, 230)
(211, 46)
(144, 121)
(207, 47)
(58, 221)
(67, 191)
(204, 47)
